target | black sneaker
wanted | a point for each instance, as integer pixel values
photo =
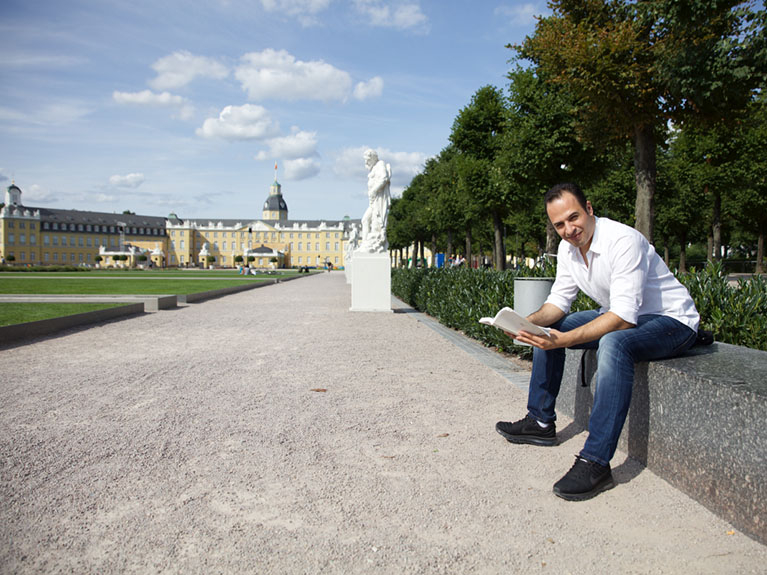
(527, 430)
(584, 480)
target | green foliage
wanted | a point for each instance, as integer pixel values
(458, 297)
(44, 269)
(735, 312)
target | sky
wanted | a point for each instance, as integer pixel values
(186, 107)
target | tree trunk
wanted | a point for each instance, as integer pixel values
(433, 250)
(422, 259)
(644, 174)
(468, 246)
(449, 250)
(716, 226)
(710, 246)
(407, 257)
(551, 238)
(499, 249)
(683, 253)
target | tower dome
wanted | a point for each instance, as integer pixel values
(13, 195)
(275, 207)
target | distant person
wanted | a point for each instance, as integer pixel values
(646, 314)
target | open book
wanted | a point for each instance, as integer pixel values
(509, 320)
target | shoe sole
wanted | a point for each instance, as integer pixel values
(528, 439)
(609, 484)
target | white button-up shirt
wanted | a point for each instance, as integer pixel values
(625, 276)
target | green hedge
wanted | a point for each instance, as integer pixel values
(458, 297)
(35, 268)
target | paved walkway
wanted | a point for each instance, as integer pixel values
(274, 431)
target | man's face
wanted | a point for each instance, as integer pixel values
(573, 224)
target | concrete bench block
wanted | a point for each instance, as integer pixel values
(697, 421)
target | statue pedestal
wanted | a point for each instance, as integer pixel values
(371, 282)
(348, 270)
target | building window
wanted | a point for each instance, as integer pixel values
(80, 241)
(55, 240)
(81, 257)
(55, 226)
(71, 257)
(89, 242)
(23, 256)
(327, 246)
(32, 240)
(180, 258)
(182, 247)
(46, 225)
(46, 240)
(317, 246)
(46, 257)
(22, 225)
(55, 256)
(300, 246)
(336, 244)
(11, 238)
(173, 244)
(224, 245)
(22, 239)
(88, 228)
(300, 259)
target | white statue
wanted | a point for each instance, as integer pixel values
(374, 220)
(352, 243)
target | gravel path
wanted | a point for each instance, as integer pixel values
(195, 441)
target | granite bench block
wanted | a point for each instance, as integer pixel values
(697, 421)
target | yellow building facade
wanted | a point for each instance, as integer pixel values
(41, 236)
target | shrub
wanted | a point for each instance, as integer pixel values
(735, 311)
(458, 297)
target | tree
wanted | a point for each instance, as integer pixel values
(634, 65)
(751, 195)
(475, 135)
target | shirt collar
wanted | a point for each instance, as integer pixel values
(596, 243)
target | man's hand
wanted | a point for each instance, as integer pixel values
(554, 340)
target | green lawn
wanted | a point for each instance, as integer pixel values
(171, 282)
(14, 313)
(105, 284)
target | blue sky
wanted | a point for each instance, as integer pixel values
(171, 106)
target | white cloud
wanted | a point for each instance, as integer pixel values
(370, 89)
(401, 15)
(304, 10)
(180, 68)
(521, 15)
(148, 98)
(36, 194)
(350, 164)
(298, 144)
(298, 153)
(277, 75)
(247, 122)
(133, 180)
(301, 168)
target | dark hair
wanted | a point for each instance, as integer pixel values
(556, 192)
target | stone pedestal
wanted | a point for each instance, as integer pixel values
(371, 282)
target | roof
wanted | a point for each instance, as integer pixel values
(275, 203)
(101, 218)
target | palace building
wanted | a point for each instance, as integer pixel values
(43, 236)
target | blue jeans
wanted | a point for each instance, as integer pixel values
(654, 337)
